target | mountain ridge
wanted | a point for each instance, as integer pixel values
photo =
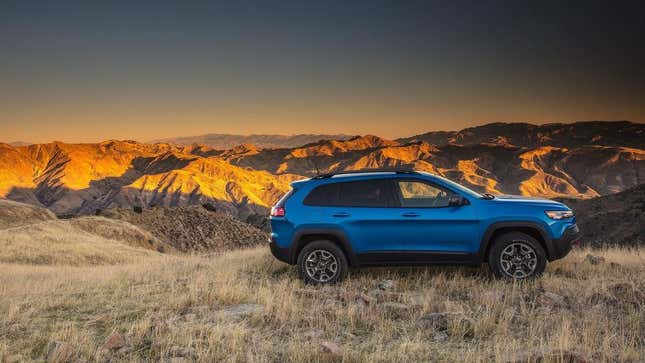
(84, 178)
(227, 141)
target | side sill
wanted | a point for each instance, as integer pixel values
(417, 258)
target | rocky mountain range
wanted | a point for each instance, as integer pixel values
(228, 141)
(580, 160)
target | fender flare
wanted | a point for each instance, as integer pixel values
(487, 236)
(339, 235)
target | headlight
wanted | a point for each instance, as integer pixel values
(559, 214)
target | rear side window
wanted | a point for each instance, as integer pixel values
(324, 195)
(364, 193)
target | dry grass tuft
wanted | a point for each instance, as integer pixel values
(190, 307)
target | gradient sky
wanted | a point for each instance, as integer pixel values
(86, 71)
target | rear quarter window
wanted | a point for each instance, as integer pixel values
(323, 195)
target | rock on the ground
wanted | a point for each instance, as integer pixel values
(332, 349)
(385, 285)
(435, 321)
(550, 299)
(242, 310)
(594, 260)
(440, 336)
(114, 342)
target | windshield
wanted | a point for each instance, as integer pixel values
(459, 187)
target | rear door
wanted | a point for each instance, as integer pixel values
(428, 223)
(362, 209)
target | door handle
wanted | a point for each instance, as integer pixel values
(340, 214)
(410, 214)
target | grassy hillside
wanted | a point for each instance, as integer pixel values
(243, 306)
(61, 243)
(33, 235)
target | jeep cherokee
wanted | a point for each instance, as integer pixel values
(400, 217)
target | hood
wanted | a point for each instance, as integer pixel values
(522, 199)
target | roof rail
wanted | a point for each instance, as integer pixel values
(363, 171)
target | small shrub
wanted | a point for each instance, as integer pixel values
(209, 207)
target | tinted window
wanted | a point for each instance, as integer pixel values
(414, 193)
(364, 193)
(324, 195)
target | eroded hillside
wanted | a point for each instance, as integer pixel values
(580, 160)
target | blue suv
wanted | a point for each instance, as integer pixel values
(375, 218)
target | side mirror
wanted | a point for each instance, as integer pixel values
(457, 200)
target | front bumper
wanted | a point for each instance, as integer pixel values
(562, 246)
(281, 254)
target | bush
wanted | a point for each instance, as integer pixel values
(209, 207)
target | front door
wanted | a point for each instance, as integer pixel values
(428, 223)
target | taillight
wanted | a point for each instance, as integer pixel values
(278, 212)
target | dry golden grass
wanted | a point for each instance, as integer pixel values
(160, 305)
(84, 241)
(14, 214)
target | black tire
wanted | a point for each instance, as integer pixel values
(512, 254)
(322, 251)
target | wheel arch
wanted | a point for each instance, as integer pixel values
(530, 228)
(302, 238)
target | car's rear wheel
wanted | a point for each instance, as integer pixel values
(322, 262)
(517, 256)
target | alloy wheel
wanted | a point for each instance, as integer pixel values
(321, 265)
(518, 260)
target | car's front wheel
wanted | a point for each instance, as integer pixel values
(322, 262)
(517, 255)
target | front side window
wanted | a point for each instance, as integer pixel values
(417, 194)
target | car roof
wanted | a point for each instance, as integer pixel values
(356, 175)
